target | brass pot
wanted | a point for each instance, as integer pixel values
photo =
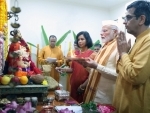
(15, 9)
(15, 25)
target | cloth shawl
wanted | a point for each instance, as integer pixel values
(94, 77)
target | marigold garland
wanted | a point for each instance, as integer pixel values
(4, 23)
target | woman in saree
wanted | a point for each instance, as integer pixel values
(79, 74)
(71, 53)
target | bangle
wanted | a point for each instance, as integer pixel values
(81, 88)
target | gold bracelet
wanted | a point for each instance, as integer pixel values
(81, 88)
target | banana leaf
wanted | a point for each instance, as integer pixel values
(31, 44)
(62, 38)
(45, 36)
(74, 35)
(97, 42)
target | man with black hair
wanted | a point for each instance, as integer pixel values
(97, 47)
(132, 93)
(52, 51)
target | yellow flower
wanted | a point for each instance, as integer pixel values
(3, 23)
(45, 82)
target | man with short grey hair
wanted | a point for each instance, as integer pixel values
(102, 77)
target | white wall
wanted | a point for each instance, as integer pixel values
(8, 8)
(58, 17)
(118, 13)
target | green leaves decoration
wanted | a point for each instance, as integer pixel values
(97, 42)
(45, 36)
(58, 43)
(89, 107)
(74, 35)
(62, 38)
(31, 44)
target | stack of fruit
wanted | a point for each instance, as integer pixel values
(10, 79)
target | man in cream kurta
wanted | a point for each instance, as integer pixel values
(53, 52)
(100, 87)
(132, 93)
(106, 85)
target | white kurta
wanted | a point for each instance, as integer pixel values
(105, 88)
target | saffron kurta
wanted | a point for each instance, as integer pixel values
(55, 52)
(132, 93)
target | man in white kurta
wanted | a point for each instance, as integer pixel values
(106, 84)
(100, 87)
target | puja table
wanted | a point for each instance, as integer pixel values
(23, 89)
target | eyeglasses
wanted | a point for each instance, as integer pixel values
(96, 49)
(128, 17)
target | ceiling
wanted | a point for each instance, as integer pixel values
(100, 3)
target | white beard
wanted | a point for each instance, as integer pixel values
(108, 38)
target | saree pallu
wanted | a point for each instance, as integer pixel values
(79, 76)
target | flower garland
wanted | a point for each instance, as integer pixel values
(3, 23)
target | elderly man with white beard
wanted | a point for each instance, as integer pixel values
(100, 85)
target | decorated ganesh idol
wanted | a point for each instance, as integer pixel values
(18, 61)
